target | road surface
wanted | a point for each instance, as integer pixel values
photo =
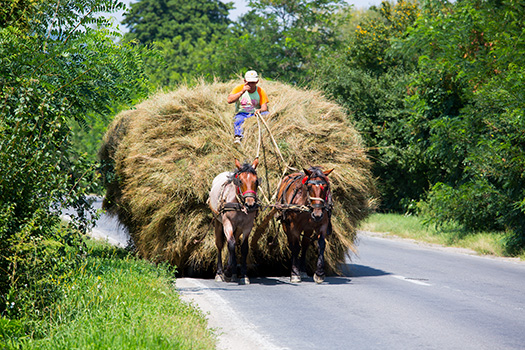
(395, 294)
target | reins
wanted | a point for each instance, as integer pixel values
(260, 143)
(307, 207)
(282, 207)
(239, 206)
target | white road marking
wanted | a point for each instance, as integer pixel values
(411, 280)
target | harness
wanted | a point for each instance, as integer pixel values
(326, 203)
(241, 199)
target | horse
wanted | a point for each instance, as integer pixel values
(233, 201)
(305, 204)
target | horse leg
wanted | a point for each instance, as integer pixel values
(231, 267)
(243, 278)
(304, 248)
(293, 243)
(319, 273)
(219, 243)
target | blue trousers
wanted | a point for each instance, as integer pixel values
(238, 121)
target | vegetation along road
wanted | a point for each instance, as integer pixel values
(393, 295)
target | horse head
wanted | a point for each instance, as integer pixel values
(246, 181)
(318, 189)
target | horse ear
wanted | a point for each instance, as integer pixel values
(307, 172)
(255, 163)
(327, 172)
(237, 164)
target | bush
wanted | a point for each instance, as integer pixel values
(55, 68)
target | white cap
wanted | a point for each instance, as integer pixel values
(251, 76)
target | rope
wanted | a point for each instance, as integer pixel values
(259, 116)
(272, 222)
(260, 139)
(269, 217)
(286, 166)
(291, 207)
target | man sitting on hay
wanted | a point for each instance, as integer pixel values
(249, 99)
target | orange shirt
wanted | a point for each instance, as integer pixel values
(249, 102)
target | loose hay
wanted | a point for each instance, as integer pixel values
(161, 157)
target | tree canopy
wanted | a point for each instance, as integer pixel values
(57, 65)
(190, 20)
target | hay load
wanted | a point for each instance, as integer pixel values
(160, 159)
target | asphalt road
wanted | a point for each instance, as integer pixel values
(394, 295)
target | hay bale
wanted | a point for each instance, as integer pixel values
(160, 159)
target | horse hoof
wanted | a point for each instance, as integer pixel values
(244, 280)
(303, 275)
(295, 279)
(318, 279)
(219, 278)
(234, 278)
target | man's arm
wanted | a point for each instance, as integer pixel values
(235, 97)
(264, 108)
(264, 101)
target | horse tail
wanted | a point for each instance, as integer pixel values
(261, 228)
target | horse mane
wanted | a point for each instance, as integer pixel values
(317, 172)
(245, 168)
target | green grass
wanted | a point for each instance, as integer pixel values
(413, 227)
(116, 301)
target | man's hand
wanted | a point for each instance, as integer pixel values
(264, 108)
(234, 97)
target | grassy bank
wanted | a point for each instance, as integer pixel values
(413, 227)
(113, 301)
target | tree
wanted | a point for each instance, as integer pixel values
(59, 64)
(469, 111)
(282, 39)
(371, 82)
(180, 30)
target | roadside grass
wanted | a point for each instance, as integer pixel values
(414, 227)
(117, 301)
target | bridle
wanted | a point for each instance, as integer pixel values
(241, 196)
(324, 201)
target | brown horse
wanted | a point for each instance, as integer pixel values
(233, 200)
(305, 203)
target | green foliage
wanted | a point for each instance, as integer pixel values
(469, 111)
(447, 234)
(281, 39)
(182, 31)
(369, 47)
(373, 89)
(17, 12)
(154, 20)
(113, 300)
(476, 205)
(56, 66)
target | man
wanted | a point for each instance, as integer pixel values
(249, 99)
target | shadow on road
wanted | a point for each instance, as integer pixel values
(286, 280)
(268, 281)
(355, 270)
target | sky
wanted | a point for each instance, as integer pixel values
(241, 7)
